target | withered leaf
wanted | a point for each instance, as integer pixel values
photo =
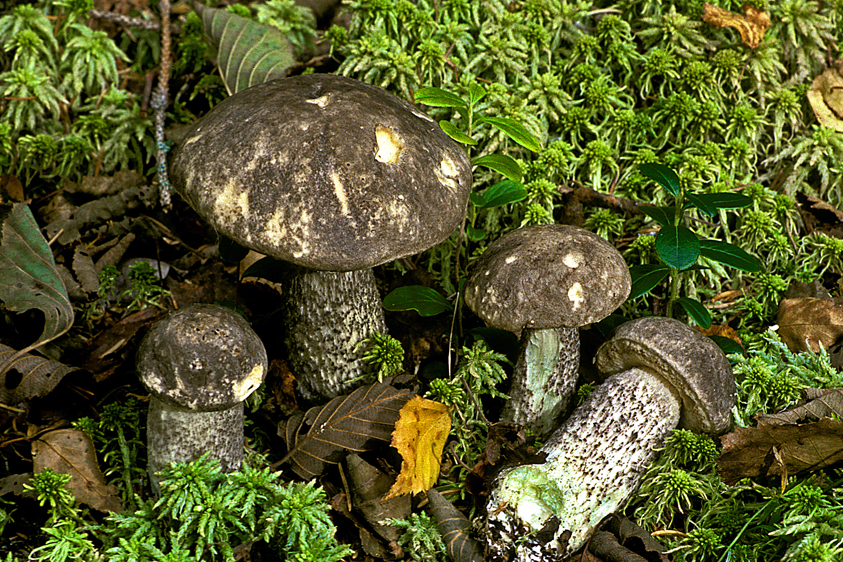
(751, 25)
(368, 486)
(453, 525)
(71, 451)
(821, 403)
(752, 451)
(323, 434)
(808, 321)
(420, 435)
(826, 99)
(28, 376)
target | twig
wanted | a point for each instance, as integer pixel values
(127, 20)
(160, 100)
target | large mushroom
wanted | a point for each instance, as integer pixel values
(544, 282)
(199, 364)
(333, 176)
(662, 374)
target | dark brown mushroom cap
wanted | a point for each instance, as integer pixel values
(325, 172)
(547, 276)
(691, 363)
(202, 357)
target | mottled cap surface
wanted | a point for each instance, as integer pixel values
(202, 357)
(688, 361)
(325, 172)
(547, 276)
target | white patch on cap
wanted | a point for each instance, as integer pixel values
(321, 101)
(390, 145)
(575, 295)
(510, 259)
(191, 140)
(231, 204)
(447, 172)
(422, 116)
(572, 260)
(339, 191)
(247, 386)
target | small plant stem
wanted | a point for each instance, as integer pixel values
(160, 100)
(127, 469)
(674, 291)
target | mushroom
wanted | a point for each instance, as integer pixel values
(662, 374)
(199, 364)
(544, 282)
(333, 176)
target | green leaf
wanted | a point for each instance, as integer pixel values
(701, 203)
(455, 133)
(514, 130)
(663, 175)
(728, 254)
(248, 53)
(476, 93)
(645, 278)
(662, 215)
(723, 200)
(697, 311)
(437, 97)
(475, 234)
(502, 164)
(28, 275)
(424, 300)
(677, 246)
(728, 345)
(503, 193)
(477, 199)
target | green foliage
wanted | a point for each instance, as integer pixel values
(295, 22)
(383, 352)
(421, 538)
(50, 490)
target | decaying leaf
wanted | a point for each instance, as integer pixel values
(420, 435)
(28, 376)
(71, 451)
(770, 450)
(28, 276)
(453, 525)
(324, 434)
(622, 540)
(751, 25)
(826, 99)
(808, 322)
(821, 403)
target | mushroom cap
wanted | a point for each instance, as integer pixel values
(547, 276)
(685, 359)
(325, 172)
(201, 357)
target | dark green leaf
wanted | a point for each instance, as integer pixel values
(697, 311)
(662, 215)
(660, 173)
(702, 204)
(728, 254)
(475, 234)
(502, 164)
(477, 199)
(677, 246)
(514, 130)
(725, 200)
(437, 97)
(645, 278)
(455, 133)
(424, 300)
(248, 53)
(503, 193)
(728, 345)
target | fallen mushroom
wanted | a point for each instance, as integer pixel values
(334, 176)
(661, 374)
(544, 282)
(199, 364)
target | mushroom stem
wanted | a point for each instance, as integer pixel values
(595, 462)
(327, 314)
(544, 379)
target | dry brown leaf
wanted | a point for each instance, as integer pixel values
(70, 451)
(826, 99)
(821, 403)
(420, 434)
(453, 526)
(751, 25)
(368, 486)
(808, 321)
(721, 330)
(29, 376)
(750, 452)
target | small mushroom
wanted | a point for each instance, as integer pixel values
(199, 364)
(333, 176)
(661, 374)
(544, 282)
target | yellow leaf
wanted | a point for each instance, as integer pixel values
(420, 434)
(751, 26)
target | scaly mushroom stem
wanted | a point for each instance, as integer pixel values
(595, 462)
(544, 379)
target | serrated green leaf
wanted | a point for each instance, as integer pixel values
(663, 175)
(701, 203)
(455, 133)
(697, 311)
(475, 234)
(662, 215)
(476, 93)
(503, 193)
(502, 164)
(248, 53)
(437, 97)
(728, 254)
(677, 246)
(645, 278)
(424, 300)
(724, 200)
(514, 130)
